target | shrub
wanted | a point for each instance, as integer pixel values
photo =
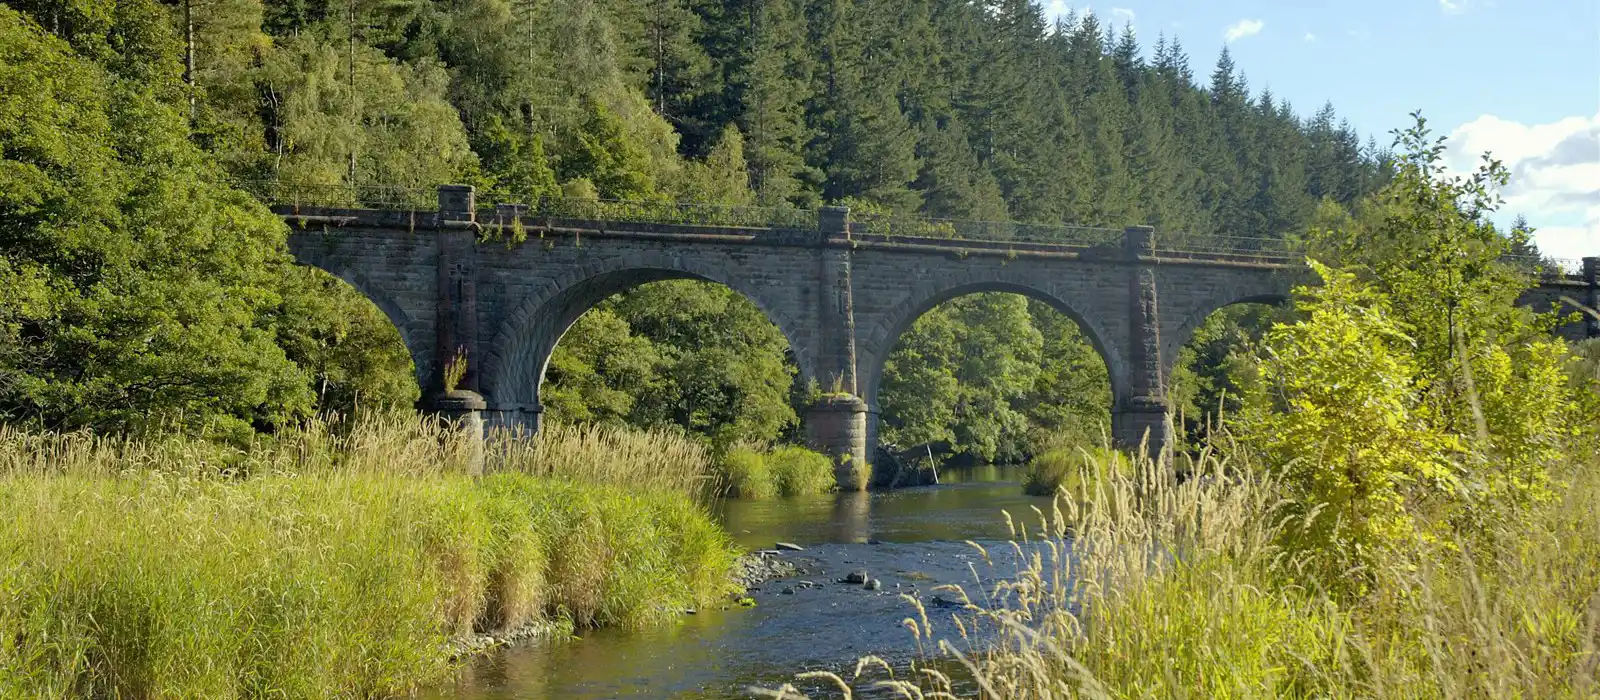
(787, 470)
(746, 474)
(799, 471)
(1073, 470)
(1341, 423)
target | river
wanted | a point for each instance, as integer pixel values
(910, 539)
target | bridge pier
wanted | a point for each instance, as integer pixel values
(1591, 277)
(1142, 424)
(836, 425)
(463, 410)
(518, 419)
(1139, 419)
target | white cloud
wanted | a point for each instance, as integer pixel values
(1056, 9)
(1555, 175)
(1121, 15)
(1310, 36)
(1243, 28)
(1451, 7)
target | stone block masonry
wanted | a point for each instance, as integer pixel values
(840, 297)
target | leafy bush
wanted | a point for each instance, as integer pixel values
(1340, 423)
(799, 471)
(745, 472)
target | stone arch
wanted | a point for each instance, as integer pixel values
(526, 338)
(420, 356)
(879, 340)
(1174, 339)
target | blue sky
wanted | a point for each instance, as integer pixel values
(1518, 78)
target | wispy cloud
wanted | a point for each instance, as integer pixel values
(1243, 28)
(1310, 36)
(1451, 7)
(1121, 15)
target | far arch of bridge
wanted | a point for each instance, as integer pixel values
(880, 340)
(1188, 299)
(527, 337)
(1175, 339)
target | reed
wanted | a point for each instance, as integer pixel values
(748, 471)
(334, 561)
(1139, 585)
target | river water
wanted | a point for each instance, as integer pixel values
(910, 539)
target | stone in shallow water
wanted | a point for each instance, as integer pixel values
(857, 576)
(790, 547)
(874, 585)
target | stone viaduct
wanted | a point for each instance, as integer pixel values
(841, 296)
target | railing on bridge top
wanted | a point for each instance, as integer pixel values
(653, 212)
(1546, 267)
(1170, 244)
(977, 230)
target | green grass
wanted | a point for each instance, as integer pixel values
(788, 470)
(341, 565)
(1073, 470)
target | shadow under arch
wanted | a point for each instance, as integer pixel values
(882, 341)
(521, 350)
(420, 353)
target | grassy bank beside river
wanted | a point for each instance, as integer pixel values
(331, 561)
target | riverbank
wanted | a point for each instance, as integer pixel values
(1512, 612)
(328, 563)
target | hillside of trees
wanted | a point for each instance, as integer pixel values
(946, 108)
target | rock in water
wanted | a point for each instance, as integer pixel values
(857, 576)
(790, 547)
(874, 585)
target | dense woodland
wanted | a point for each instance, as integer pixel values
(123, 216)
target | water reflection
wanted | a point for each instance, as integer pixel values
(716, 653)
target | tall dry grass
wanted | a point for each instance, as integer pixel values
(332, 561)
(655, 460)
(1144, 586)
(397, 443)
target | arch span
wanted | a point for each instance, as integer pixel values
(881, 339)
(521, 349)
